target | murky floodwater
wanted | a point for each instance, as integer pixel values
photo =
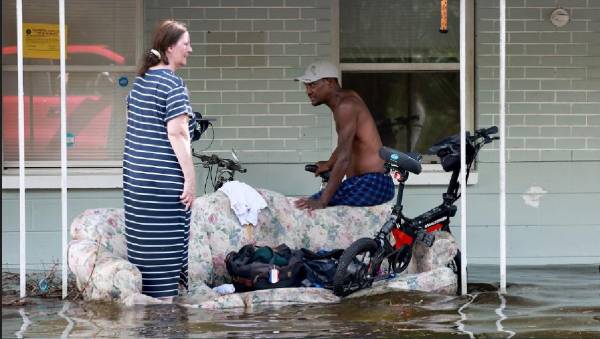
(541, 302)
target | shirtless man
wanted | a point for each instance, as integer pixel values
(357, 153)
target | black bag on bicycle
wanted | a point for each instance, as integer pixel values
(262, 267)
(320, 267)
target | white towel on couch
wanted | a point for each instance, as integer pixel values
(245, 201)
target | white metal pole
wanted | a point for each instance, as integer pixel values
(463, 158)
(63, 143)
(502, 100)
(21, 113)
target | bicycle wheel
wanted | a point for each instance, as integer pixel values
(400, 260)
(355, 268)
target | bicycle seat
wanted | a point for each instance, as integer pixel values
(410, 161)
(313, 168)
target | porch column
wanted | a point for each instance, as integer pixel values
(63, 143)
(502, 92)
(463, 158)
(21, 114)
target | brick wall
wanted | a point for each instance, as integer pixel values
(246, 53)
(553, 79)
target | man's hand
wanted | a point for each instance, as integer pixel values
(397, 176)
(308, 203)
(322, 167)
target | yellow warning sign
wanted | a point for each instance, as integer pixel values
(41, 41)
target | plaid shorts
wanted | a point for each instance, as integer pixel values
(362, 190)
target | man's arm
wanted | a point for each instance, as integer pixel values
(324, 166)
(346, 126)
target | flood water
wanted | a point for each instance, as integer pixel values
(541, 302)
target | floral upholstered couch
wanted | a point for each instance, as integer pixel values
(98, 254)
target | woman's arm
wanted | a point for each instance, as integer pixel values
(179, 136)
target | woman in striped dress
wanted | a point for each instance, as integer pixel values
(158, 173)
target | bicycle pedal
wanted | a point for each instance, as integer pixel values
(425, 238)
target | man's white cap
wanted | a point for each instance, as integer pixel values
(318, 70)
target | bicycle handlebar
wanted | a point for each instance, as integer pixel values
(313, 168)
(491, 130)
(214, 159)
(486, 134)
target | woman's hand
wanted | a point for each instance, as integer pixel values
(189, 194)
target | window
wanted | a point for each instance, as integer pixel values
(102, 52)
(393, 55)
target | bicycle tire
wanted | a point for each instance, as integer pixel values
(399, 262)
(347, 281)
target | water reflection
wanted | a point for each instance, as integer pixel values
(460, 323)
(70, 322)
(549, 302)
(26, 323)
(500, 313)
(160, 321)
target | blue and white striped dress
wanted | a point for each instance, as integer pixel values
(156, 223)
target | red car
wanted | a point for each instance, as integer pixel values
(90, 101)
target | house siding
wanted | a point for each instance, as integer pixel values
(247, 51)
(552, 130)
(246, 54)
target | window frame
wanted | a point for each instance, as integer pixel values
(46, 174)
(432, 174)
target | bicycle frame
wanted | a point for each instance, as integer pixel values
(405, 231)
(437, 218)
(360, 264)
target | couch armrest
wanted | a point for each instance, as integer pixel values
(104, 225)
(426, 259)
(100, 274)
(81, 257)
(114, 277)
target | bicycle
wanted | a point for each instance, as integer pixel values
(324, 175)
(359, 266)
(225, 168)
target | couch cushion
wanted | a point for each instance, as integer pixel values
(280, 222)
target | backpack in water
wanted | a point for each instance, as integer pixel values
(262, 267)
